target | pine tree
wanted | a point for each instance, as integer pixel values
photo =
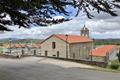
(26, 12)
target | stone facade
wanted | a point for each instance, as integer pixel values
(80, 51)
(59, 51)
(22, 49)
(66, 50)
(13, 50)
(84, 32)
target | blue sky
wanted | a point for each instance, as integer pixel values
(101, 26)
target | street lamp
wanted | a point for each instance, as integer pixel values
(66, 46)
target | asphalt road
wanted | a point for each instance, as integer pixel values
(36, 69)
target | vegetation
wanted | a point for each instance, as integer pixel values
(15, 40)
(1, 44)
(26, 12)
(1, 50)
(107, 41)
(118, 56)
(115, 65)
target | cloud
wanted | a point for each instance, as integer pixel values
(70, 27)
(101, 26)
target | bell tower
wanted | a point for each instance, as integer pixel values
(84, 32)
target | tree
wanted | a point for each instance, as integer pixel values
(118, 56)
(26, 12)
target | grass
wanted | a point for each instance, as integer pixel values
(115, 62)
(107, 70)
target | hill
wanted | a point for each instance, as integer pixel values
(107, 41)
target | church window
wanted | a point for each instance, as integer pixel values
(53, 45)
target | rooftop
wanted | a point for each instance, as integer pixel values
(14, 45)
(102, 51)
(73, 38)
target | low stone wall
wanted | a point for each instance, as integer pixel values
(100, 64)
(94, 63)
(7, 56)
(14, 56)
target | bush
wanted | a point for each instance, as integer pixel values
(114, 66)
(118, 55)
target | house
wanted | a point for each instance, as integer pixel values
(36, 49)
(24, 49)
(12, 49)
(29, 50)
(21, 49)
(104, 53)
(68, 46)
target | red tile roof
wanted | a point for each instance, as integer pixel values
(36, 45)
(102, 51)
(14, 46)
(73, 38)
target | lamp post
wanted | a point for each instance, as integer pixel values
(66, 46)
(93, 47)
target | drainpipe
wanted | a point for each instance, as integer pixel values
(10, 45)
(91, 56)
(66, 46)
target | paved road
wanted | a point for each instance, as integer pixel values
(37, 69)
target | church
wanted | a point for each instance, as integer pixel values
(68, 46)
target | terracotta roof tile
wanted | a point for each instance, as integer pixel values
(73, 38)
(102, 51)
(36, 46)
(14, 46)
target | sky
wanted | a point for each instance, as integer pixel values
(101, 26)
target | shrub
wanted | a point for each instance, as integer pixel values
(118, 55)
(114, 66)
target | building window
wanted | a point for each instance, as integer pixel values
(46, 53)
(53, 45)
(34, 52)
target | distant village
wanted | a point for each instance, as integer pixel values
(74, 47)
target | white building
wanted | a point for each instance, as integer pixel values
(105, 53)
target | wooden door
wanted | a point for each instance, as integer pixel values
(57, 53)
